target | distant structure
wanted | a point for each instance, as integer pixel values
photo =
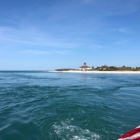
(104, 67)
(84, 67)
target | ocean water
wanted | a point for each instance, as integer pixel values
(68, 106)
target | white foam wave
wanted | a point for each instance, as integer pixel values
(65, 131)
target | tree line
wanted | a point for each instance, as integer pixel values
(114, 68)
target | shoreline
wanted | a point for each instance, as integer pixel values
(99, 72)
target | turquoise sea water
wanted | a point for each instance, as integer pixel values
(68, 106)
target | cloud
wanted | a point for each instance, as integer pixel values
(121, 42)
(95, 46)
(87, 1)
(20, 36)
(114, 7)
(33, 37)
(124, 30)
(44, 52)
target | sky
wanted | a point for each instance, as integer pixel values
(51, 34)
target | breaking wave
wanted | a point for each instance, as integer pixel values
(65, 131)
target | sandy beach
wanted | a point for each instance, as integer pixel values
(99, 72)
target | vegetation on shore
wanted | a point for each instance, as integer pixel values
(114, 68)
(104, 68)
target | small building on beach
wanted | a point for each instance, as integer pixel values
(84, 67)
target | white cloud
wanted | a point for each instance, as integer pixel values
(121, 42)
(124, 30)
(33, 37)
(49, 52)
(95, 46)
(87, 1)
(114, 7)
